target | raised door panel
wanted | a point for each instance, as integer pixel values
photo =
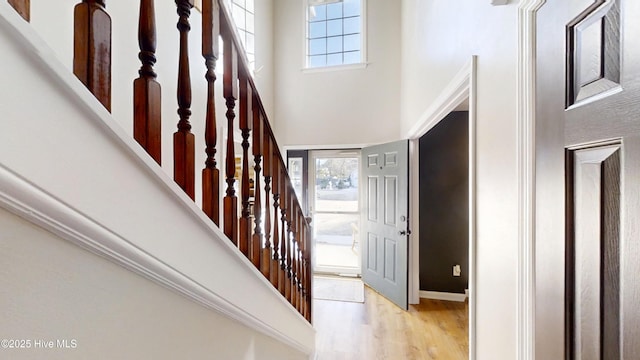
(593, 52)
(593, 254)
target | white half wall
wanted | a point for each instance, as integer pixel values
(52, 290)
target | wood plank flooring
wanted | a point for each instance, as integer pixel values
(378, 329)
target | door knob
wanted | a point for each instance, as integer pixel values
(403, 232)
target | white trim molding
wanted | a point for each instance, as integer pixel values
(437, 295)
(526, 102)
(461, 87)
(31, 203)
(451, 96)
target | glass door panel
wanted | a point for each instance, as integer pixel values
(335, 205)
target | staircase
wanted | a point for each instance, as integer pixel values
(232, 236)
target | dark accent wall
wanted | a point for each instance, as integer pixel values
(444, 204)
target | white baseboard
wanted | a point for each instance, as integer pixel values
(437, 295)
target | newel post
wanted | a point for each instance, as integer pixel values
(92, 49)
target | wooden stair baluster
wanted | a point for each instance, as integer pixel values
(231, 95)
(92, 49)
(303, 264)
(284, 234)
(275, 188)
(308, 271)
(256, 239)
(299, 262)
(303, 280)
(210, 52)
(146, 90)
(183, 140)
(293, 251)
(246, 113)
(290, 241)
(23, 7)
(266, 167)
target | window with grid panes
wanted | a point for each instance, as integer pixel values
(334, 32)
(243, 16)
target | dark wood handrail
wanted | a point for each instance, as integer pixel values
(270, 227)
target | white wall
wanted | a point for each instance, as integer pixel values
(264, 74)
(438, 39)
(359, 106)
(66, 164)
(53, 290)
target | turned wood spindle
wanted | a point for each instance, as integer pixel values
(210, 52)
(183, 140)
(246, 113)
(23, 7)
(266, 167)
(308, 273)
(283, 233)
(301, 265)
(299, 261)
(231, 95)
(92, 49)
(294, 263)
(303, 278)
(275, 188)
(289, 239)
(256, 239)
(146, 90)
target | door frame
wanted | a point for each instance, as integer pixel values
(461, 88)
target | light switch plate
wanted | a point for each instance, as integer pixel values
(456, 270)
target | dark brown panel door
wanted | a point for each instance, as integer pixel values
(588, 111)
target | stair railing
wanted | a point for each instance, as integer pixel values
(265, 220)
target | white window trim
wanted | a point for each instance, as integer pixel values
(363, 44)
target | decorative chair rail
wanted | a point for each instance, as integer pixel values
(277, 240)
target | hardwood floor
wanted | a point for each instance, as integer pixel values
(378, 329)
